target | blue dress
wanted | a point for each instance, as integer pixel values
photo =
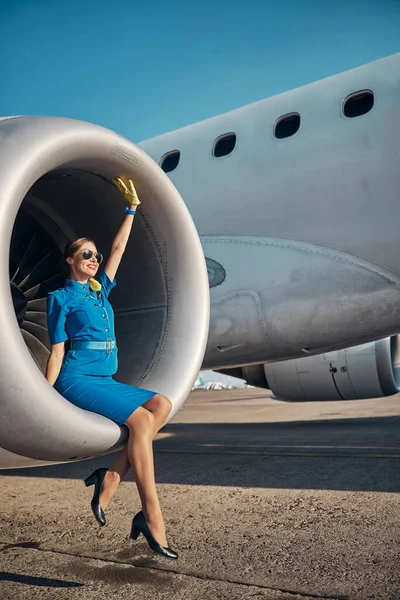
(77, 313)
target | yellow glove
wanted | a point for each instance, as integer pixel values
(130, 193)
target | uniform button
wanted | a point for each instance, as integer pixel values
(107, 330)
(87, 295)
(104, 316)
(84, 288)
(97, 305)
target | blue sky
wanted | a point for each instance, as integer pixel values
(146, 68)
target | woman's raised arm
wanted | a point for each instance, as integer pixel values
(121, 239)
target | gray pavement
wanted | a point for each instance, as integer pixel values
(261, 499)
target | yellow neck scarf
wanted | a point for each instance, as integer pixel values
(95, 286)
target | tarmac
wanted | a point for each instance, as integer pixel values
(262, 499)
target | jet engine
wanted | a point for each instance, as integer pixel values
(55, 185)
(367, 371)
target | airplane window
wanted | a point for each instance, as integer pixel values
(170, 161)
(287, 125)
(224, 145)
(358, 104)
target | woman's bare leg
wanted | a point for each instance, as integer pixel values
(141, 426)
(160, 407)
(114, 476)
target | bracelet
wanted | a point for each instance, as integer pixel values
(129, 211)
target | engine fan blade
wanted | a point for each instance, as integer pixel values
(39, 332)
(39, 318)
(34, 272)
(38, 305)
(42, 289)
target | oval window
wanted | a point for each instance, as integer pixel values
(287, 125)
(224, 144)
(358, 104)
(170, 161)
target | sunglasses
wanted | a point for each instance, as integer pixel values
(86, 254)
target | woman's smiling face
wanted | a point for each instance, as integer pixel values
(81, 268)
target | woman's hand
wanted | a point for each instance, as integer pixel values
(129, 193)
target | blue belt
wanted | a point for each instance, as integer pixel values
(108, 345)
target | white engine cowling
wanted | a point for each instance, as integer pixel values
(367, 371)
(55, 185)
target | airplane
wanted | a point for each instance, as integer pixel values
(288, 195)
(280, 247)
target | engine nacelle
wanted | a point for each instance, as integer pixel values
(367, 371)
(55, 185)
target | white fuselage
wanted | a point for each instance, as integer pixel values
(304, 229)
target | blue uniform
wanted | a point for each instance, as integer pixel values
(77, 313)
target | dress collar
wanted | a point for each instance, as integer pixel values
(77, 286)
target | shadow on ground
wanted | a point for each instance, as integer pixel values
(47, 582)
(360, 454)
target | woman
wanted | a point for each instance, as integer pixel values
(81, 313)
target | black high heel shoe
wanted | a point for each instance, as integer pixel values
(97, 478)
(139, 526)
